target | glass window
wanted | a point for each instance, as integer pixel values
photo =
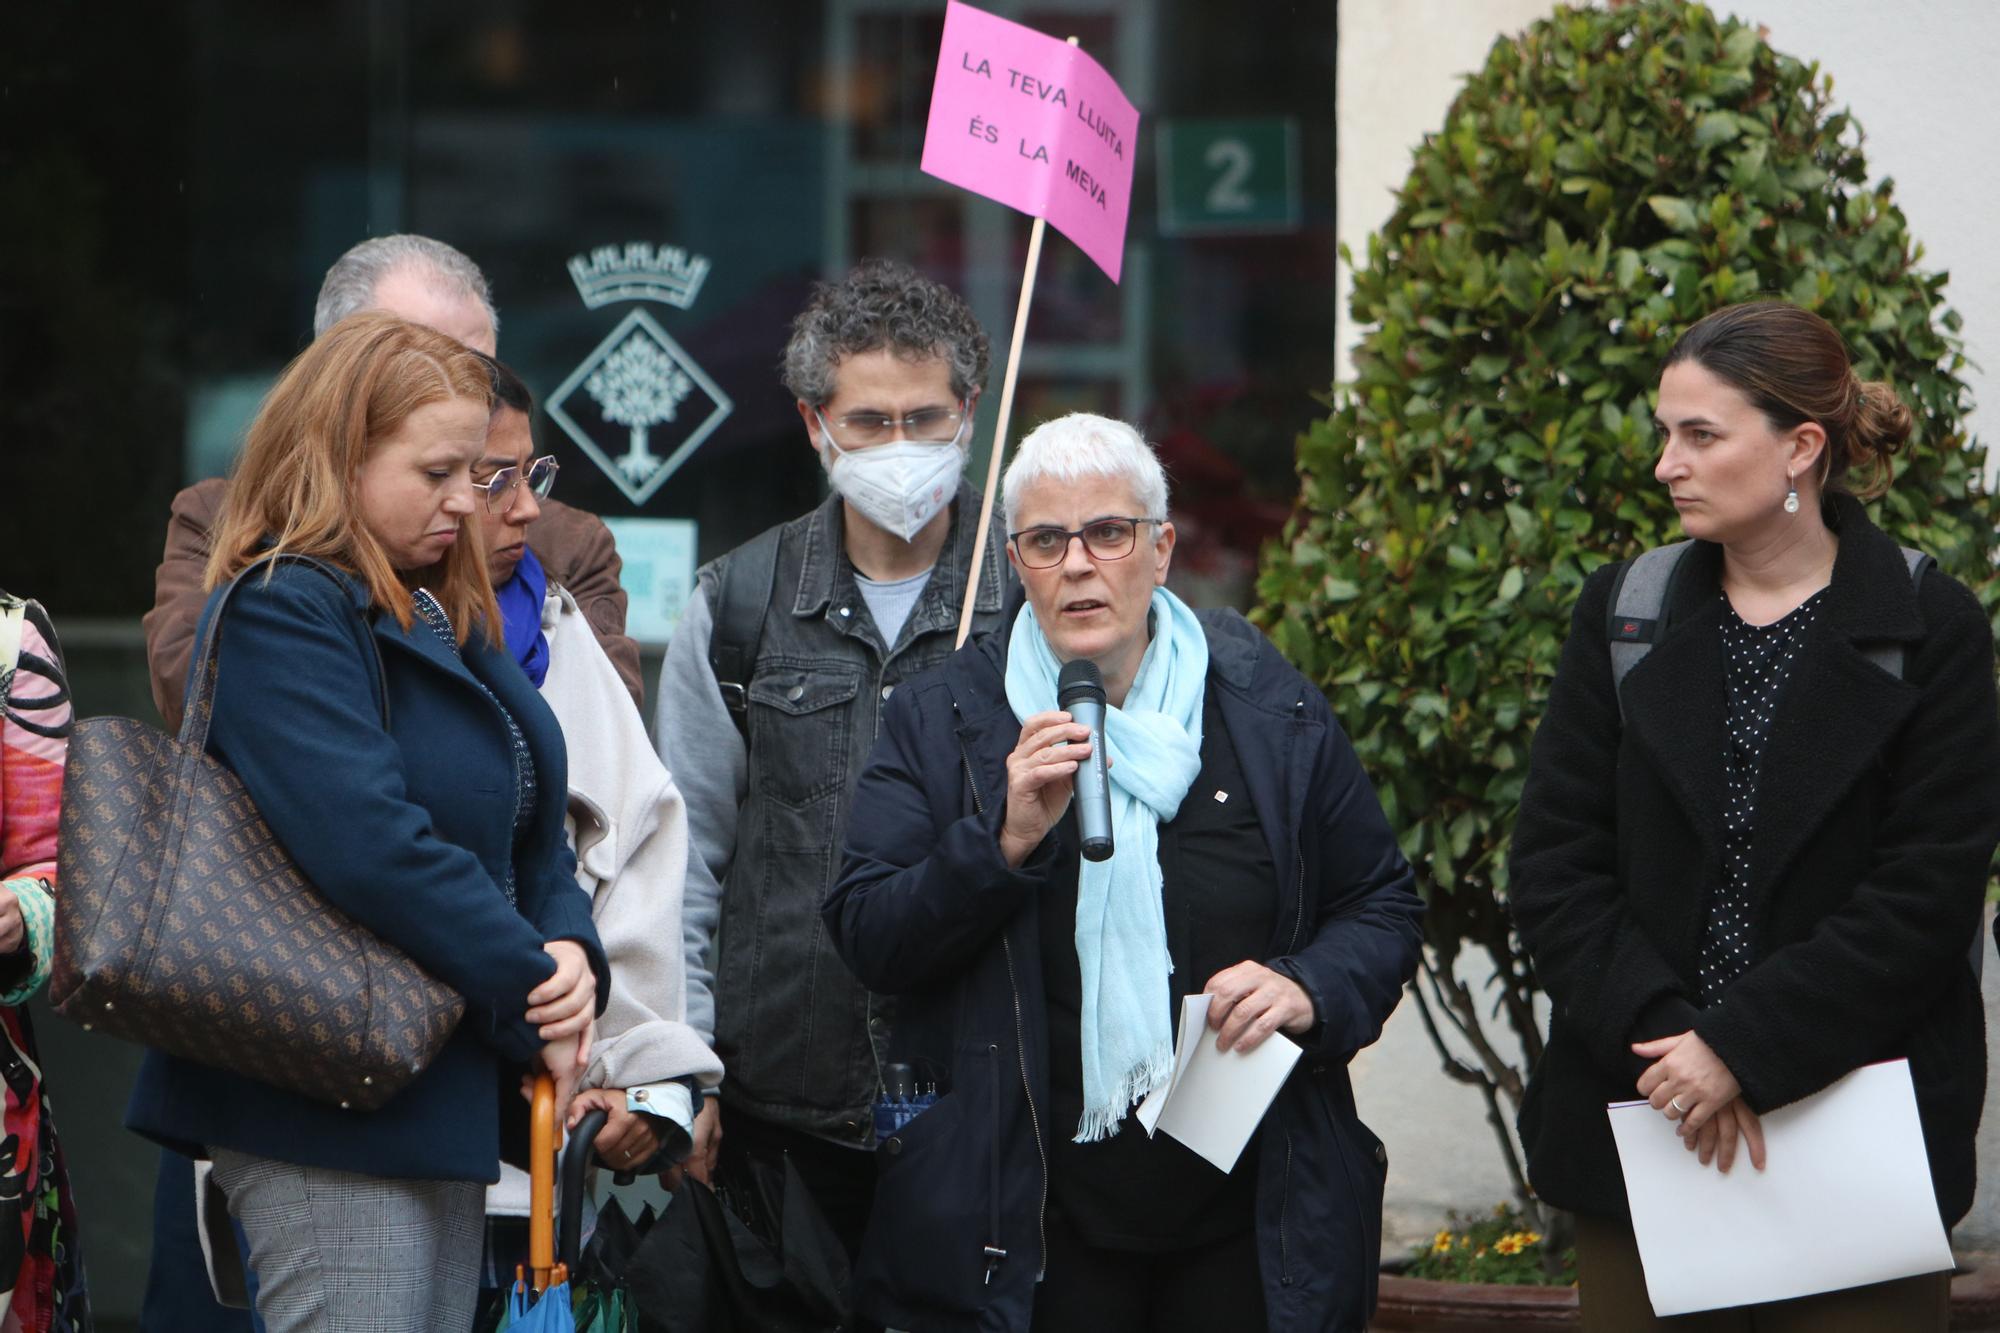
(656, 183)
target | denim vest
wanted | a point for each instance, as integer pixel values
(802, 1040)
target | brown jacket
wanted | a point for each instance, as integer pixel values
(575, 547)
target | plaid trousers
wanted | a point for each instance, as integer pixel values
(335, 1251)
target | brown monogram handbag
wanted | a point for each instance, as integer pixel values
(183, 924)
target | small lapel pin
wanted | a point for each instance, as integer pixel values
(1221, 796)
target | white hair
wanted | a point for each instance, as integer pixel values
(1083, 445)
(350, 284)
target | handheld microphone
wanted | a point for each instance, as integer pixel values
(1080, 693)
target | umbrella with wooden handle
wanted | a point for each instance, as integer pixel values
(545, 1298)
(540, 1302)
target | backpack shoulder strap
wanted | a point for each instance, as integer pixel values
(1641, 604)
(747, 582)
(1889, 656)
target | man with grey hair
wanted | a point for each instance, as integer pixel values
(422, 280)
(768, 705)
(426, 282)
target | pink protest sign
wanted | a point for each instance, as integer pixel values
(1035, 123)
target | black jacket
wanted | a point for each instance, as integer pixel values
(926, 908)
(1878, 809)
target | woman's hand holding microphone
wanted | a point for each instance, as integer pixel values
(1251, 1001)
(1041, 776)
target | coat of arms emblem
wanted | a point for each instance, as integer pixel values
(638, 405)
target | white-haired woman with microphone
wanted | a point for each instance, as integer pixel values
(1038, 989)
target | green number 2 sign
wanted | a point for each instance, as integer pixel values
(1238, 174)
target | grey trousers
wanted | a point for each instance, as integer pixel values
(334, 1251)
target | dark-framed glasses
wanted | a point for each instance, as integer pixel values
(504, 489)
(862, 430)
(1107, 538)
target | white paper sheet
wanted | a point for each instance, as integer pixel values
(1844, 1199)
(1216, 1099)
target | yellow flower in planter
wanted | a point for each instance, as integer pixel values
(1486, 1250)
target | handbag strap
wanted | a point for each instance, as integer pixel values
(12, 612)
(201, 691)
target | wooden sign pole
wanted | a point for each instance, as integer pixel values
(1000, 431)
(1000, 427)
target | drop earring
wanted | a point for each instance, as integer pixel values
(1791, 493)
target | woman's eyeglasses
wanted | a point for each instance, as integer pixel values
(1104, 538)
(502, 491)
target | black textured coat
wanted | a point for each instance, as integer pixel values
(1878, 808)
(927, 909)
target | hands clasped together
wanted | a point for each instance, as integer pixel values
(1249, 1000)
(1687, 1082)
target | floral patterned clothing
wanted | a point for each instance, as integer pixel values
(41, 1265)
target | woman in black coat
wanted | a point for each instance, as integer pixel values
(433, 817)
(1760, 862)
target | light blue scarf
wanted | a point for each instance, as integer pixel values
(1154, 744)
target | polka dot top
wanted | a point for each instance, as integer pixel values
(434, 615)
(1757, 659)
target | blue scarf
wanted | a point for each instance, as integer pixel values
(1154, 744)
(521, 600)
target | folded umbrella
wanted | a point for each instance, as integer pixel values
(545, 1299)
(597, 1299)
(544, 1311)
(606, 1257)
(702, 1267)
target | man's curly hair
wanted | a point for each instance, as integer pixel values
(883, 303)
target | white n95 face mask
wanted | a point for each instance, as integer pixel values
(899, 486)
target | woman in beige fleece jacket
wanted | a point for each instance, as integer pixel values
(626, 822)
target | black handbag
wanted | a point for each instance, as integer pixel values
(183, 924)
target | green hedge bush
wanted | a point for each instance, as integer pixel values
(1609, 176)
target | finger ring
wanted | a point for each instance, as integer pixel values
(1675, 1102)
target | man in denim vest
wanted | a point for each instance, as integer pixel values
(861, 594)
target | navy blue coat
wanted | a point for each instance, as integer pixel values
(409, 831)
(926, 909)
